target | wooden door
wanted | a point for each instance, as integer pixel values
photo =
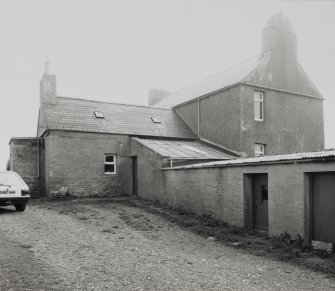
(260, 195)
(323, 207)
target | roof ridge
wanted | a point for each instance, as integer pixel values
(115, 103)
(215, 74)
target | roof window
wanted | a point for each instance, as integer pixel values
(155, 120)
(98, 114)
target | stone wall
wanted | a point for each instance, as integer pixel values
(150, 179)
(292, 123)
(26, 156)
(75, 164)
(222, 192)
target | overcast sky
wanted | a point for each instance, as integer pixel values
(117, 50)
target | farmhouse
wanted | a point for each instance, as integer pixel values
(200, 148)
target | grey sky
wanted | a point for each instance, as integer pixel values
(117, 50)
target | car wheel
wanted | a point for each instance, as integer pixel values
(20, 207)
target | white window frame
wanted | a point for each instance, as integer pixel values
(259, 102)
(110, 163)
(155, 120)
(99, 114)
(261, 152)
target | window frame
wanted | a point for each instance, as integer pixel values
(110, 163)
(99, 115)
(259, 100)
(155, 120)
(259, 153)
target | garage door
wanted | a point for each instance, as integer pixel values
(323, 207)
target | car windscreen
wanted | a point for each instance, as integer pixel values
(10, 179)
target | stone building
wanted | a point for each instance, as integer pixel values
(194, 148)
(266, 105)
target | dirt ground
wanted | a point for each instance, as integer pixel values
(128, 244)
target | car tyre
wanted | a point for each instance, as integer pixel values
(20, 207)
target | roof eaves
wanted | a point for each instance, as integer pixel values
(281, 91)
(119, 133)
(309, 80)
(207, 94)
(260, 163)
(22, 138)
(220, 147)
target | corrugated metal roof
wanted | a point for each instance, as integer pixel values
(175, 149)
(216, 82)
(329, 154)
(78, 115)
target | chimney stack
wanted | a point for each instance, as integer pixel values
(156, 95)
(48, 95)
(279, 39)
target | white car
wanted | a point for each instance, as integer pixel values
(13, 190)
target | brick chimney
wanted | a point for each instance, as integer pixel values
(279, 39)
(156, 95)
(48, 95)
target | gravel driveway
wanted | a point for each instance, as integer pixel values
(110, 245)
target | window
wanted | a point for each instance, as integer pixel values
(110, 164)
(264, 192)
(258, 106)
(98, 114)
(259, 149)
(155, 120)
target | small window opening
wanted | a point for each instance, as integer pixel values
(259, 150)
(155, 120)
(110, 164)
(98, 114)
(264, 191)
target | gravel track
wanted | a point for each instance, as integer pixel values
(106, 245)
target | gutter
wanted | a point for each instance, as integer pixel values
(329, 159)
(47, 131)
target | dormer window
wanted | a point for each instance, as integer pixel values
(98, 114)
(155, 120)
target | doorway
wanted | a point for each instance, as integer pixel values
(260, 202)
(323, 207)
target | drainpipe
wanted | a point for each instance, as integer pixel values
(38, 157)
(198, 118)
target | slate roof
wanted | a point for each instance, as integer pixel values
(258, 71)
(176, 149)
(78, 115)
(315, 156)
(226, 78)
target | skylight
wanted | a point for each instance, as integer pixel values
(98, 114)
(155, 120)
